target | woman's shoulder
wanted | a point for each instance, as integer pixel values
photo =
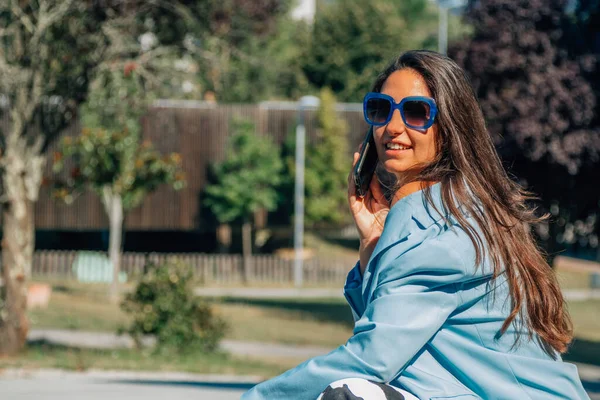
(437, 245)
(421, 210)
(422, 215)
(419, 232)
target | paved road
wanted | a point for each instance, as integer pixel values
(102, 385)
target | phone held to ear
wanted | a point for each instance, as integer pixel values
(366, 164)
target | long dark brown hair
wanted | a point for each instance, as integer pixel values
(472, 177)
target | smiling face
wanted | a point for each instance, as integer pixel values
(416, 147)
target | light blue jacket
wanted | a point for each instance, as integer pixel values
(426, 321)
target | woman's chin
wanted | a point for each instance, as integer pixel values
(395, 167)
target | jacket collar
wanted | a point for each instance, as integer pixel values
(424, 213)
(408, 214)
(415, 207)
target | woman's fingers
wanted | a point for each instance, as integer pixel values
(356, 156)
(351, 188)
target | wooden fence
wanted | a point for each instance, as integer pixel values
(199, 132)
(208, 268)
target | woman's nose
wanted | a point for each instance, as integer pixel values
(396, 125)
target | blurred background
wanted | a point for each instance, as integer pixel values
(174, 173)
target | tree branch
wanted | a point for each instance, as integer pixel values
(23, 18)
(9, 75)
(7, 31)
(47, 17)
(35, 94)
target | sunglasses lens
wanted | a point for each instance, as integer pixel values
(416, 113)
(378, 110)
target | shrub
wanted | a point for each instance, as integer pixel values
(163, 305)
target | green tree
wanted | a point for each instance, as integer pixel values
(49, 52)
(121, 170)
(352, 40)
(260, 68)
(326, 172)
(284, 212)
(247, 50)
(285, 54)
(327, 166)
(245, 182)
(109, 157)
(28, 72)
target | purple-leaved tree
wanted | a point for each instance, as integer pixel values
(540, 107)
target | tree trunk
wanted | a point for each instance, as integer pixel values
(17, 252)
(114, 208)
(21, 177)
(247, 251)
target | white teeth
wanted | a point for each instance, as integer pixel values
(396, 146)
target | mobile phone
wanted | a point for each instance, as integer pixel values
(366, 164)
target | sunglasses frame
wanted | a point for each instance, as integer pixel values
(399, 106)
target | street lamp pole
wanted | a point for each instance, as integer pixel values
(444, 6)
(443, 30)
(304, 103)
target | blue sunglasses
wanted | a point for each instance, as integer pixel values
(417, 112)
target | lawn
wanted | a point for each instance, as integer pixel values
(586, 319)
(325, 322)
(316, 322)
(72, 309)
(569, 279)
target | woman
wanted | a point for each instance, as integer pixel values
(451, 297)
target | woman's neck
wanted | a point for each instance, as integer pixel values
(409, 188)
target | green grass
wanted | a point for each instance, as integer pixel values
(331, 248)
(573, 279)
(316, 322)
(325, 322)
(43, 355)
(78, 311)
(586, 319)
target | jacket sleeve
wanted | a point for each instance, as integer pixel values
(414, 295)
(353, 292)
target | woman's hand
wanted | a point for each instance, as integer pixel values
(369, 215)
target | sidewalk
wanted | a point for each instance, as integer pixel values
(107, 340)
(270, 293)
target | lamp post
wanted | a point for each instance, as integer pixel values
(443, 30)
(304, 103)
(445, 6)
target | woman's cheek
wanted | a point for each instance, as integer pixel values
(379, 144)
